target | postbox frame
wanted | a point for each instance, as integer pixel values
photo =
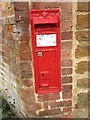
(54, 30)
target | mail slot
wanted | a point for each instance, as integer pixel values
(45, 29)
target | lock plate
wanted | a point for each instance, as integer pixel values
(39, 53)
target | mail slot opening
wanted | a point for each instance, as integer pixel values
(46, 25)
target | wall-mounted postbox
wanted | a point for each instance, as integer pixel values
(45, 28)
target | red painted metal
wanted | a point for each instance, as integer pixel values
(45, 24)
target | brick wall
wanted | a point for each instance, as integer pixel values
(81, 61)
(17, 72)
(10, 67)
(54, 104)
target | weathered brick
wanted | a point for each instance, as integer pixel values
(83, 6)
(50, 112)
(11, 10)
(81, 52)
(33, 106)
(31, 114)
(27, 91)
(82, 35)
(21, 5)
(22, 26)
(66, 15)
(66, 62)
(82, 21)
(55, 104)
(66, 35)
(22, 16)
(26, 71)
(24, 51)
(67, 95)
(66, 71)
(67, 116)
(40, 5)
(66, 88)
(65, 5)
(66, 45)
(50, 96)
(5, 48)
(82, 101)
(27, 83)
(45, 105)
(83, 83)
(8, 28)
(66, 54)
(25, 37)
(66, 25)
(82, 67)
(67, 79)
(29, 99)
(67, 109)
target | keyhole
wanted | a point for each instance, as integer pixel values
(43, 74)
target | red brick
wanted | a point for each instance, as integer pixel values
(66, 62)
(66, 35)
(66, 45)
(21, 5)
(6, 60)
(24, 51)
(33, 106)
(5, 48)
(67, 109)
(66, 116)
(66, 71)
(66, 6)
(66, 25)
(55, 104)
(22, 26)
(27, 91)
(66, 54)
(27, 83)
(50, 112)
(31, 114)
(40, 5)
(22, 16)
(25, 37)
(50, 96)
(29, 99)
(67, 79)
(45, 104)
(66, 15)
(26, 71)
(66, 88)
(67, 95)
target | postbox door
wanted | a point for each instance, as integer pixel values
(47, 73)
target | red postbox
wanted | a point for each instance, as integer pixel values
(45, 29)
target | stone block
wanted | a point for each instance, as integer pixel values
(83, 6)
(82, 67)
(81, 52)
(83, 83)
(83, 35)
(82, 21)
(82, 101)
